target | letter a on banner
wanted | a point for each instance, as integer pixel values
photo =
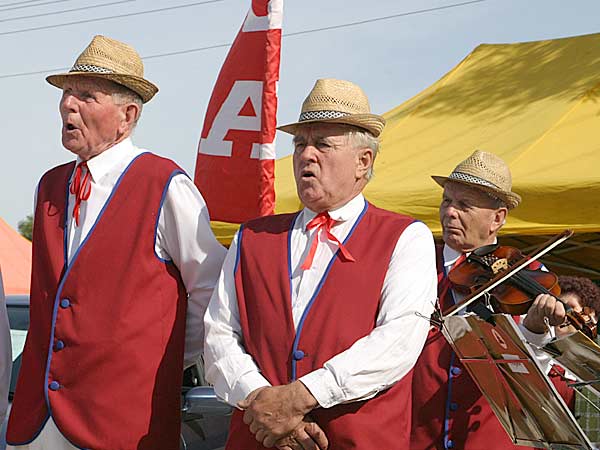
(235, 166)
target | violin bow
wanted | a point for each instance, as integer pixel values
(500, 278)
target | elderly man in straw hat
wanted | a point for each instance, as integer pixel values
(315, 316)
(449, 411)
(123, 260)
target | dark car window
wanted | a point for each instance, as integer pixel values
(18, 318)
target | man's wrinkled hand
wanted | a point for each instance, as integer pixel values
(545, 310)
(306, 436)
(274, 412)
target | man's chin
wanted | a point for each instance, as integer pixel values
(452, 240)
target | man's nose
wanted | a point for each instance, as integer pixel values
(68, 102)
(308, 153)
(449, 211)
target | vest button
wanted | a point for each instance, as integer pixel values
(65, 303)
(298, 355)
(453, 406)
(450, 443)
(59, 345)
(54, 386)
(456, 371)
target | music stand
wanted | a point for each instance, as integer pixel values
(579, 354)
(506, 371)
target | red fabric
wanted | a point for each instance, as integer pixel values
(323, 221)
(123, 329)
(473, 425)
(81, 187)
(557, 377)
(344, 310)
(235, 168)
(444, 282)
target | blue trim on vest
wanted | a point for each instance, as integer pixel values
(65, 276)
(447, 409)
(450, 377)
(37, 433)
(289, 254)
(66, 227)
(238, 250)
(162, 200)
(318, 289)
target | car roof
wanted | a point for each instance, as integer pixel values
(17, 300)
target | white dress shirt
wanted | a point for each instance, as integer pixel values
(371, 364)
(183, 236)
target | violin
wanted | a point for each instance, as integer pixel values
(517, 293)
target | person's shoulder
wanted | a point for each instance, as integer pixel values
(385, 214)
(271, 224)
(59, 171)
(159, 166)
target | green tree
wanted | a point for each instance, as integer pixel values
(26, 226)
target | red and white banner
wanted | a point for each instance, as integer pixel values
(235, 166)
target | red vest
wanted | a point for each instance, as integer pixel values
(343, 310)
(104, 352)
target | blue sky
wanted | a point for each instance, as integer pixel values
(391, 59)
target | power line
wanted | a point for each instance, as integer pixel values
(65, 11)
(379, 19)
(139, 13)
(29, 6)
(297, 33)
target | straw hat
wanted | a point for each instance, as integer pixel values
(486, 172)
(112, 60)
(337, 101)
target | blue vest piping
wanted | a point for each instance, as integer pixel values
(318, 289)
(452, 358)
(238, 250)
(65, 276)
(162, 200)
(65, 228)
(448, 398)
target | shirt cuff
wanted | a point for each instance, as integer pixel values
(536, 339)
(323, 386)
(245, 385)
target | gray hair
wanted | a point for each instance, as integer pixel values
(122, 95)
(359, 138)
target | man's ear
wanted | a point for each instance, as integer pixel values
(364, 162)
(499, 219)
(130, 115)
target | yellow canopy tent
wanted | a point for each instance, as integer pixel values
(535, 104)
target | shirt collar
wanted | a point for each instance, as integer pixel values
(346, 212)
(451, 255)
(103, 163)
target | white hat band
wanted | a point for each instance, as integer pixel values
(321, 115)
(89, 68)
(471, 179)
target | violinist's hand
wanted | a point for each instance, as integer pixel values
(545, 310)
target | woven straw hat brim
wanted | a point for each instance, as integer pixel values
(373, 123)
(511, 199)
(144, 88)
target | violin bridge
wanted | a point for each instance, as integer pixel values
(499, 265)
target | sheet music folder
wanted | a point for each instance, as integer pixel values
(504, 368)
(579, 354)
